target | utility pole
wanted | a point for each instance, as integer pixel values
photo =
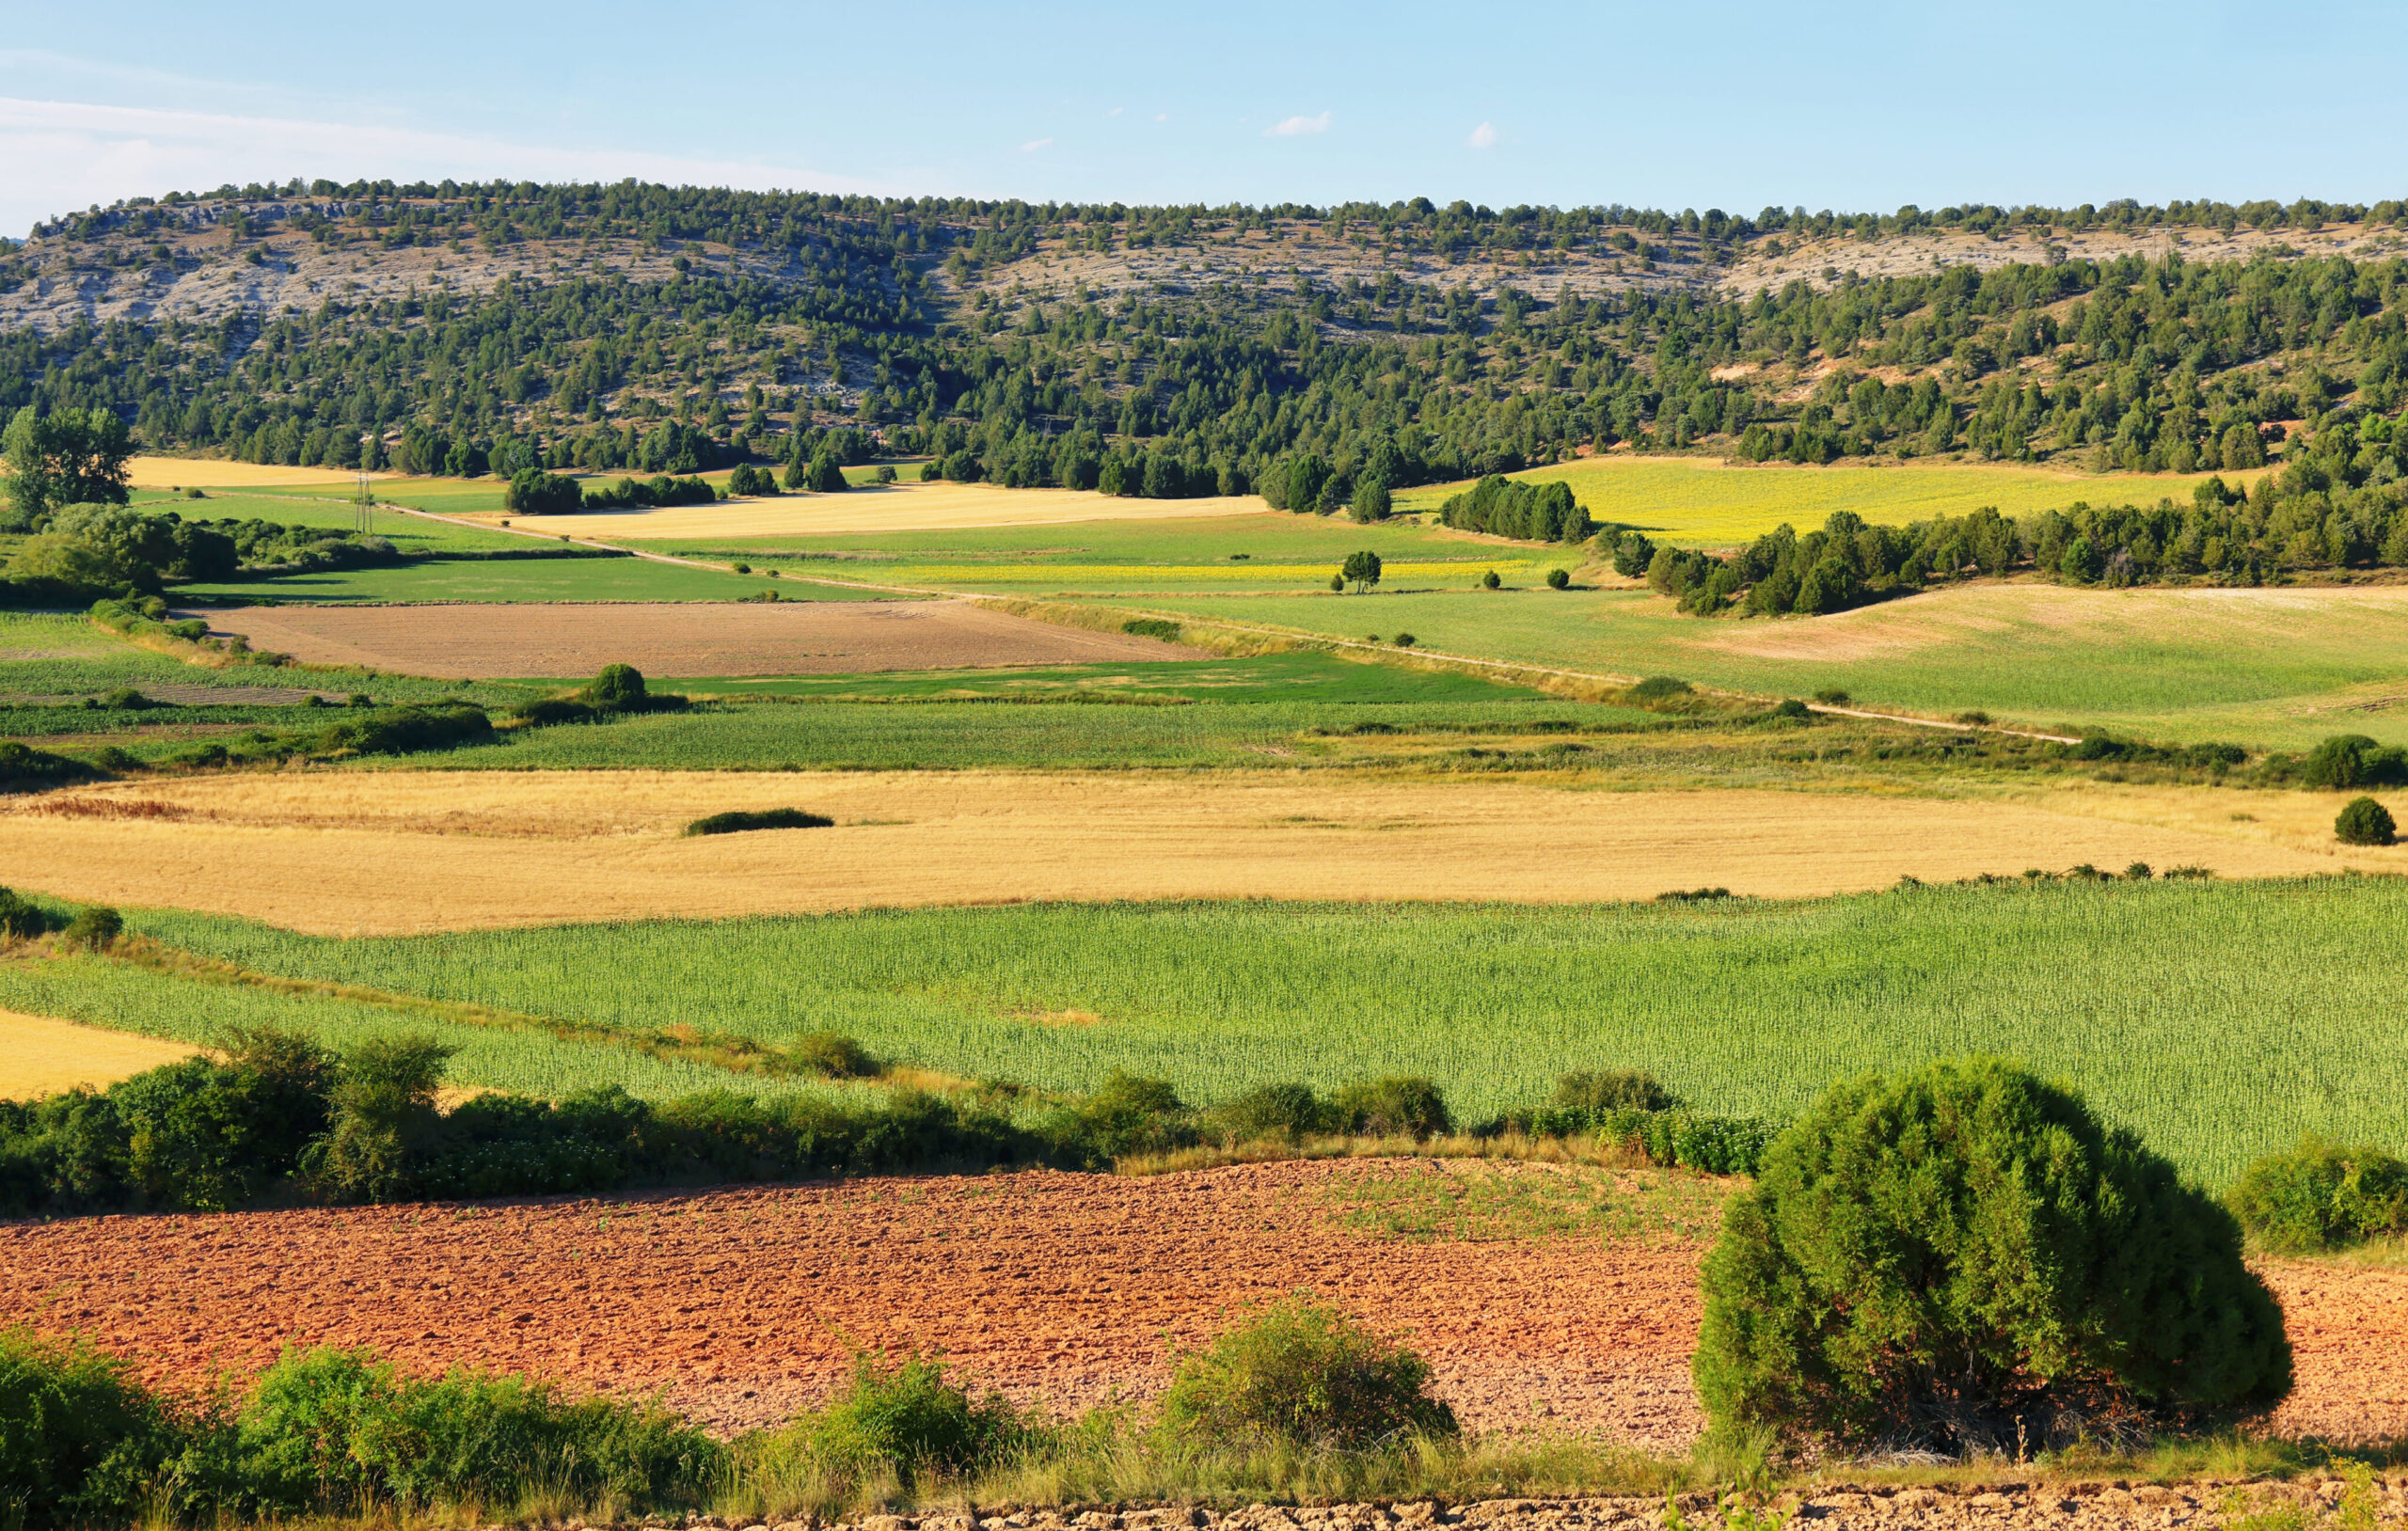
(363, 518)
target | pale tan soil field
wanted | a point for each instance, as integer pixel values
(148, 472)
(39, 1056)
(743, 1303)
(787, 637)
(357, 852)
(901, 507)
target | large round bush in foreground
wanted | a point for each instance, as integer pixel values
(1302, 1372)
(1963, 1257)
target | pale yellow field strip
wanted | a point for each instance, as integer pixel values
(209, 473)
(41, 1056)
(903, 507)
(356, 853)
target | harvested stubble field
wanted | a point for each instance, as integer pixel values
(899, 507)
(149, 472)
(346, 853)
(787, 637)
(742, 1306)
(41, 1056)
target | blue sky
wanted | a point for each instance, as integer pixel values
(1733, 104)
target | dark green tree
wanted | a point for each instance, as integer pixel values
(1362, 570)
(66, 457)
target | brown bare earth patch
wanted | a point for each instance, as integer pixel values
(743, 1303)
(791, 638)
(351, 852)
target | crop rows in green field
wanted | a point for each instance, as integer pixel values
(965, 736)
(126, 998)
(331, 513)
(2221, 1019)
(67, 654)
(1303, 675)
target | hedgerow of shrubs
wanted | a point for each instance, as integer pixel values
(743, 820)
(2322, 1195)
(1964, 1258)
(408, 729)
(324, 1431)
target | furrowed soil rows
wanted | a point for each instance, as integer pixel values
(789, 638)
(743, 1305)
(391, 852)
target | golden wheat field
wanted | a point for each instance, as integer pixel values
(343, 853)
(147, 472)
(901, 507)
(39, 1056)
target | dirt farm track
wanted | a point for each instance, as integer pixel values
(741, 1304)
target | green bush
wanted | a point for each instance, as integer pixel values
(1301, 1372)
(908, 1415)
(1127, 1116)
(2322, 1195)
(80, 1438)
(1490, 581)
(94, 929)
(1559, 579)
(1151, 627)
(836, 1056)
(24, 769)
(2365, 822)
(384, 1117)
(21, 917)
(1964, 1256)
(617, 686)
(1391, 1108)
(738, 821)
(2354, 760)
(1597, 1090)
(1657, 689)
(1271, 1111)
(334, 1430)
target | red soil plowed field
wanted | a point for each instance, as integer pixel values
(741, 1304)
(791, 638)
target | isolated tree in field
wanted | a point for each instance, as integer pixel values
(2365, 822)
(66, 457)
(826, 477)
(1964, 1256)
(1362, 570)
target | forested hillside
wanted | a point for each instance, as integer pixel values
(1174, 350)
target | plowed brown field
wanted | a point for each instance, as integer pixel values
(740, 1305)
(698, 638)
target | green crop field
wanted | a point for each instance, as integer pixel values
(2221, 1019)
(410, 533)
(1704, 501)
(123, 997)
(501, 581)
(1306, 675)
(967, 736)
(2270, 668)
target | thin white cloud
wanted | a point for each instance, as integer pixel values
(1484, 136)
(1162, 117)
(1290, 127)
(1114, 112)
(1035, 144)
(66, 156)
